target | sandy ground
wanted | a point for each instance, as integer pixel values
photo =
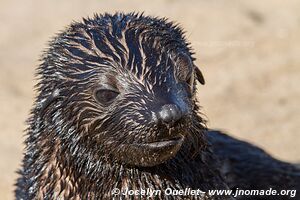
(248, 51)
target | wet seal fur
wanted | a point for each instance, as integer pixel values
(116, 108)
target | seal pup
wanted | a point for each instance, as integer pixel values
(116, 108)
(116, 111)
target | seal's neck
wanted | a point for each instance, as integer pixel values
(56, 178)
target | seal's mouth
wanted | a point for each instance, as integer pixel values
(163, 143)
(150, 153)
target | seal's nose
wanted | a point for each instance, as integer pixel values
(170, 113)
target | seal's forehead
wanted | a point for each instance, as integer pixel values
(134, 42)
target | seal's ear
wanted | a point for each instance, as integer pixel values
(199, 75)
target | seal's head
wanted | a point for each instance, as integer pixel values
(120, 89)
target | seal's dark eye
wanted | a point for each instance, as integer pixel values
(106, 96)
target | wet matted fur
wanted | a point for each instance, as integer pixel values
(116, 108)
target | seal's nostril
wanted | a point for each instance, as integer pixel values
(170, 113)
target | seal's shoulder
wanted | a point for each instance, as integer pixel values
(247, 166)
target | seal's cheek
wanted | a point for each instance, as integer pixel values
(150, 154)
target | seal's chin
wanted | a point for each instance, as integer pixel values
(151, 153)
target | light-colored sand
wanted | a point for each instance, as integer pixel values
(249, 52)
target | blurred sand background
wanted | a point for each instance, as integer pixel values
(249, 52)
